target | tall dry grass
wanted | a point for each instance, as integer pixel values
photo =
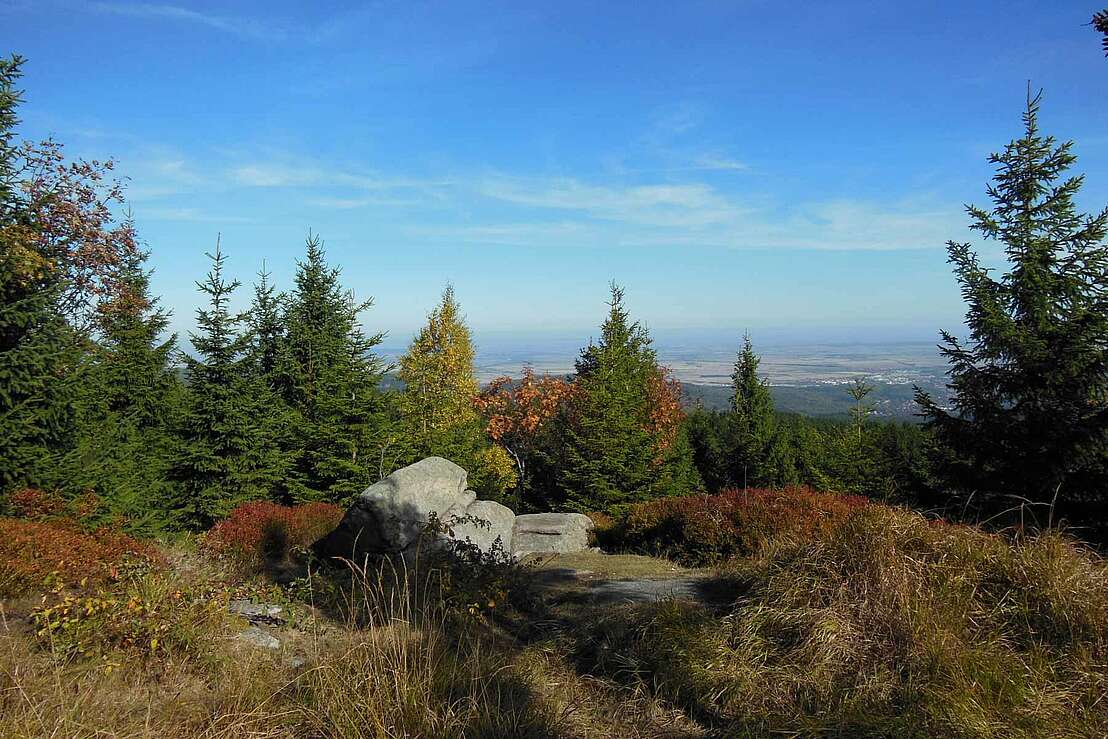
(890, 625)
(401, 662)
(398, 667)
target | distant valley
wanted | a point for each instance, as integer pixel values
(810, 379)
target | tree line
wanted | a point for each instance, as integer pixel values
(286, 401)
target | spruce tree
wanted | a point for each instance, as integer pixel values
(1029, 387)
(862, 409)
(329, 376)
(752, 421)
(128, 406)
(1100, 23)
(37, 355)
(266, 329)
(613, 453)
(230, 450)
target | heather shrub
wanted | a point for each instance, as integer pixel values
(146, 616)
(59, 552)
(259, 532)
(34, 504)
(708, 529)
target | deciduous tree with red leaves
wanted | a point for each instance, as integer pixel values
(518, 411)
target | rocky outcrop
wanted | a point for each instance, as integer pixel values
(551, 533)
(391, 515)
(257, 613)
(486, 521)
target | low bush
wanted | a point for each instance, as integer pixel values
(36, 554)
(708, 529)
(259, 532)
(454, 576)
(34, 504)
(146, 616)
(886, 625)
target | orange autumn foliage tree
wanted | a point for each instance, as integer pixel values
(76, 236)
(666, 415)
(517, 411)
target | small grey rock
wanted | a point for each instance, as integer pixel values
(257, 613)
(258, 637)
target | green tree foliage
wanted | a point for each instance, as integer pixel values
(10, 98)
(1030, 386)
(37, 357)
(752, 439)
(616, 451)
(230, 451)
(128, 405)
(328, 375)
(1100, 23)
(266, 329)
(708, 433)
(890, 462)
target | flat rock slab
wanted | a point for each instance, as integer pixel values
(259, 637)
(551, 533)
(647, 591)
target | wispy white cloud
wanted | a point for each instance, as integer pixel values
(503, 209)
(659, 205)
(719, 162)
(263, 174)
(245, 27)
(365, 202)
(568, 212)
(272, 175)
(675, 120)
(156, 175)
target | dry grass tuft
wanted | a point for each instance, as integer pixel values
(887, 625)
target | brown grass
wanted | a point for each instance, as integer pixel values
(889, 626)
(401, 665)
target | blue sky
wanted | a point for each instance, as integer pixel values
(780, 167)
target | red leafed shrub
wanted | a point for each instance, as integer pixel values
(706, 529)
(261, 531)
(312, 521)
(35, 504)
(60, 552)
